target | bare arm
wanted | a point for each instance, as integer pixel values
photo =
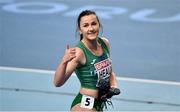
(67, 65)
(113, 81)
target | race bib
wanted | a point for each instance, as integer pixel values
(87, 102)
(103, 69)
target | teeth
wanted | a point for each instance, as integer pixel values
(90, 33)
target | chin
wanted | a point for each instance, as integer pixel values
(92, 37)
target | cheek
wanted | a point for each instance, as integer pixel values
(82, 30)
(97, 29)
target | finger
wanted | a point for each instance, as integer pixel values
(72, 51)
(72, 56)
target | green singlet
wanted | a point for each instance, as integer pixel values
(95, 68)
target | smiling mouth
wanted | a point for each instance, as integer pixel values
(92, 33)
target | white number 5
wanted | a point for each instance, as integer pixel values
(87, 102)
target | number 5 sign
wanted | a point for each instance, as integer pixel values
(87, 102)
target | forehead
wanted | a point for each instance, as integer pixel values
(88, 18)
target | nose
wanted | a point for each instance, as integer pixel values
(91, 28)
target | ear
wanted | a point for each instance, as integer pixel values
(80, 32)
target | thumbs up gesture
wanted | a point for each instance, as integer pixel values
(69, 54)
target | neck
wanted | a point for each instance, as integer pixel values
(91, 44)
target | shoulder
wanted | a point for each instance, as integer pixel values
(80, 57)
(106, 41)
(79, 51)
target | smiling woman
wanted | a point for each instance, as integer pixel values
(90, 60)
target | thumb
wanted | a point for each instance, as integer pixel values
(67, 46)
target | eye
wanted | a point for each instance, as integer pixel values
(94, 23)
(85, 25)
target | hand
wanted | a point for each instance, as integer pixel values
(69, 54)
(112, 92)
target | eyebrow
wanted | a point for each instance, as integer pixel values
(88, 23)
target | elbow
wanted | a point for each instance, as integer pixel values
(57, 84)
